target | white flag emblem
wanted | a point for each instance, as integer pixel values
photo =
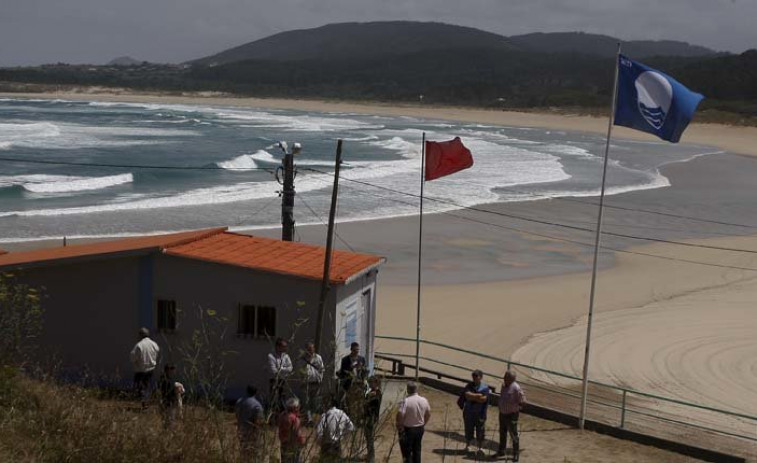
(655, 95)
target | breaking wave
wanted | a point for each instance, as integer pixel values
(40, 183)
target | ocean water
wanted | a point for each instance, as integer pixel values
(83, 168)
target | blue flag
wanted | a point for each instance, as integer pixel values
(653, 102)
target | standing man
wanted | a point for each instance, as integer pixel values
(352, 376)
(144, 359)
(353, 366)
(250, 418)
(412, 416)
(476, 395)
(511, 400)
(371, 415)
(279, 368)
(290, 432)
(313, 376)
(333, 427)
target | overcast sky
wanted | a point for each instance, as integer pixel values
(96, 31)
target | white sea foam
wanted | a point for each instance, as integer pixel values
(295, 122)
(245, 161)
(570, 150)
(49, 135)
(198, 197)
(41, 183)
(366, 138)
(260, 118)
(261, 158)
(500, 161)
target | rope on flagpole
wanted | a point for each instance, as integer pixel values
(585, 385)
(420, 252)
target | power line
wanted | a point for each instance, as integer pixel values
(567, 240)
(545, 222)
(270, 170)
(315, 214)
(665, 214)
(460, 206)
(130, 166)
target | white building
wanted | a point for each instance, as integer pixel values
(243, 291)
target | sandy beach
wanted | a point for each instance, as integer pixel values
(671, 320)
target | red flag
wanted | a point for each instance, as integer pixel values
(446, 157)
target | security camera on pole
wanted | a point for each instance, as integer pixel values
(287, 195)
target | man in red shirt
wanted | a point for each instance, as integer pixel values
(290, 432)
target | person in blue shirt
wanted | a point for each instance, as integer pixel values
(250, 419)
(476, 399)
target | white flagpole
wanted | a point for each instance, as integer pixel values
(420, 250)
(585, 387)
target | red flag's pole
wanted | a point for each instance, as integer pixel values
(420, 251)
(585, 386)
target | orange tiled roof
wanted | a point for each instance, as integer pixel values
(271, 255)
(3, 251)
(140, 243)
(216, 245)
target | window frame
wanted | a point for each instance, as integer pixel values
(166, 313)
(250, 317)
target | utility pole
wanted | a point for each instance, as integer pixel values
(287, 196)
(329, 246)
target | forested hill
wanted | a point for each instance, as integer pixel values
(347, 41)
(402, 61)
(604, 45)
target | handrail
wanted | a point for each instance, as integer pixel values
(623, 408)
(567, 376)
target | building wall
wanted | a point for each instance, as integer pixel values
(91, 315)
(94, 308)
(355, 317)
(208, 296)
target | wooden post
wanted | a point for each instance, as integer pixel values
(329, 246)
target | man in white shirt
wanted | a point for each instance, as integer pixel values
(312, 379)
(333, 426)
(144, 358)
(279, 368)
(412, 416)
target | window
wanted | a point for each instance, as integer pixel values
(256, 321)
(265, 321)
(166, 315)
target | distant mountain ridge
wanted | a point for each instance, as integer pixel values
(440, 63)
(345, 41)
(124, 61)
(604, 45)
(351, 41)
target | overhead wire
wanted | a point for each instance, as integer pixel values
(568, 240)
(129, 166)
(430, 198)
(544, 222)
(272, 171)
(315, 214)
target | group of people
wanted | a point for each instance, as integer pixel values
(292, 394)
(359, 396)
(474, 402)
(357, 400)
(145, 357)
(414, 413)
